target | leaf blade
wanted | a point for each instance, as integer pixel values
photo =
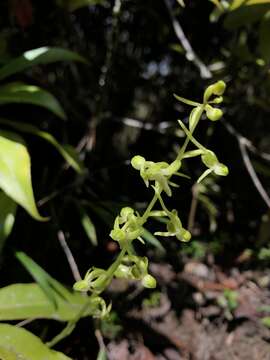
(43, 55)
(20, 93)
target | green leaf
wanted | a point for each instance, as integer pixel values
(20, 93)
(43, 55)
(264, 31)
(15, 172)
(8, 209)
(245, 15)
(151, 239)
(48, 284)
(18, 343)
(88, 226)
(102, 355)
(28, 301)
(68, 153)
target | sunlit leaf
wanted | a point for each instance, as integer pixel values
(65, 151)
(20, 93)
(43, 55)
(15, 172)
(7, 217)
(27, 301)
(18, 343)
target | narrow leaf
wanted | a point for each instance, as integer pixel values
(43, 55)
(40, 276)
(20, 93)
(15, 172)
(7, 217)
(88, 226)
(151, 239)
(18, 343)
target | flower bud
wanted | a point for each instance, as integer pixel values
(221, 170)
(185, 236)
(209, 159)
(148, 281)
(81, 285)
(118, 235)
(215, 89)
(219, 88)
(213, 114)
(137, 162)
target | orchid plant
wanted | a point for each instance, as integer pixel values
(129, 224)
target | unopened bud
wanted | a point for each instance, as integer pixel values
(148, 281)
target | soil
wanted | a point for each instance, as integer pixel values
(203, 313)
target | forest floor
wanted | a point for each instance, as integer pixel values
(201, 313)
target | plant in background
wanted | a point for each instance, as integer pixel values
(15, 163)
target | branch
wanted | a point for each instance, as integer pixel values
(69, 256)
(190, 53)
(245, 144)
(252, 172)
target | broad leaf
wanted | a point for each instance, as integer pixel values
(20, 93)
(15, 172)
(27, 301)
(68, 153)
(18, 343)
(7, 217)
(43, 55)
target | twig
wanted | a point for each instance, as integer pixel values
(25, 322)
(100, 340)
(190, 53)
(69, 256)
(245, 144)
(252, 172)
(248, 143)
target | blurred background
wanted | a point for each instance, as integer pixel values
(119, 103)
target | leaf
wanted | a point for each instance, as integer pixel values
(8, 209)
(18, 343)
(151, 239)
(48, 284)
(20, 93)
(43, 55)
(102, 355)
(264, 31)
(237, 3)
(28, 301)
(245, 15)
(15, 172)
(88, 225)
(68, 153)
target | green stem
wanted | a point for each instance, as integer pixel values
(179, 157)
